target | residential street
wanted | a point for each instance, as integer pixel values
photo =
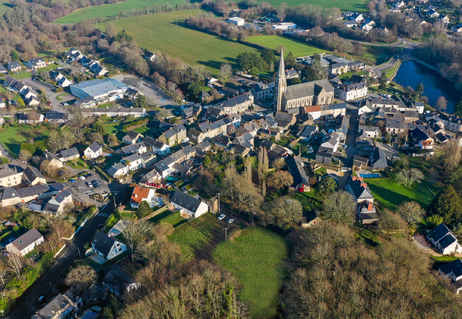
(52, 96)
(26, 304)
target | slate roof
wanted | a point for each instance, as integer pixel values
(186, 201)
(283, 119)
(94, 147)
(454, 266)
(359, 191)
(131, 135)
(118, 278)
(437, 233)
(419, 134)
(236, 100)
(303, 90)
(295, 166)
(33, 190)
(103, 243)
(5, 172)
(378, 159)
(28, 238)
(395, 122)
(32, 173)
(70, 152)
(8, 193)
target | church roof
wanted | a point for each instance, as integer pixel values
(312, 88)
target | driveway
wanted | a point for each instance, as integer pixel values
(52, 96)
(147, 87)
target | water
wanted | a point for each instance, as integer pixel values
(411, 74)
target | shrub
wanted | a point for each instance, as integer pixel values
(28, 147)
(41, 145)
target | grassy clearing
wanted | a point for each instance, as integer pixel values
(197, 236)
(256, 259)
(111, 10)
(13, 136)
(22, 75)
(390, 194)
(193, 47)
(5, 5)
(298, 48)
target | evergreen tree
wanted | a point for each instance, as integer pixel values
(448, 205)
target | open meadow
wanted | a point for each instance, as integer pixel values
(256, 258)
(298, 48)
(170, 36)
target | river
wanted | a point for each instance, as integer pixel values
(412, 73)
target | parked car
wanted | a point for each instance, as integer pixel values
(88, 175)
(230, 221)
(72, 180)
(89, 184)
(82, 178)
(221, 217)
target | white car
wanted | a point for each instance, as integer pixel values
(82, 178)
(230, 221)
(221, 217)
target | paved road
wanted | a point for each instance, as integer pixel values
(403, 43)
(26, 306)
(52, 96)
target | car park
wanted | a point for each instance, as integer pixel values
(221, 217)
(230, 221)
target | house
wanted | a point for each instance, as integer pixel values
(30, 118)
(10, 176)
(25, 243)
(350, 24)
(292, 74)
(60, 307)
(189, 206)
(334, 110)
(359, 189)
(311, 218)
(421, 138)
(191, 112)
(308, 132)
(453, 270)
(58, 202)
(132, 137)
(269, 134)
(118, 170)
(141, 194)
(157, 146)
(367, 214)
(111, 111)
(369, 131)
(93, 294)
(36, 63)
(237, 104)
(93, 151)
(119, 282)
(444, 18)
(314, 111)
(32, 176)
(457, 28)
(284, 120)
(138, 148)
(54, 160)
(107, 247)
(69, 155)
(332, 142)
(174, 135)
(118, 228)
(443, 239)
(378, 159)
(3, 69)
(296, 168)
(56, 117)
(432, 13)
(263, 91)
(360, 161)
(395, 125)
(14, 66)
(351, 91)
(134, 162)
(150, 56)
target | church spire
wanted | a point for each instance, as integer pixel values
(282, 69)
(280, 86)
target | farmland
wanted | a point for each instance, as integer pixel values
(296, 47)
(256, 257)
(193, 47)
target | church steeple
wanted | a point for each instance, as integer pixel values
(280, 85)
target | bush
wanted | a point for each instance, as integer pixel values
(135, 124)
(3, 160)
(41, 145)
(28, 147)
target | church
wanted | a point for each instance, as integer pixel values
(319, 92)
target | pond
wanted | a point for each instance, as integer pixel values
(412, 73)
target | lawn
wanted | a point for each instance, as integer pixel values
(390, 193)
(346, 5)
(298, 48)
(256, 258)
(197, 236)
(22, 75)
(12, 137)
(193, 47)
(78, 164)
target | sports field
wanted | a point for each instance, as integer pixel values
(193, 47)
(256, 258)
(112, 10)
(298, 48)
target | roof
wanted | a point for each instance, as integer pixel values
(13, 64)
(446, 241)
(28, 238)
(313, 108)
(312, 88)
(132, 135)
(98, 87)
(454, 266)
(103, 243)
(283, 119)
(94, 147)
(32, 173)
(378, 158)
(70, 152)
(119, 279)
(186, 201)
(437, 233)
(360, 189)
(295, 166)
(118, 228)
(309, 130)
(5, 172)
(236, 100)
(33, 190)
(419, 134)
(395, 122)
(139, 193)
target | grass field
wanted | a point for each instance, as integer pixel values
(256, 258)
(352, 5)
(5, 5)
(193, 47)
(298, 48)
(12, 137)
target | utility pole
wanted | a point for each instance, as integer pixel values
(226, 233)
(219, 211)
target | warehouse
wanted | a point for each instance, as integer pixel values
(100, 90)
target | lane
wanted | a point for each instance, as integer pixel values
(26, 304)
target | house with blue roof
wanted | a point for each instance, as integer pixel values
(443, 239)
(453, 270)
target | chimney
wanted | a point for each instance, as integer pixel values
(354, 178)
(360, 179)
(136, 195)
(363, 185)
(370, 206)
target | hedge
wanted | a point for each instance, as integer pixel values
(135, 124)
(28, 147)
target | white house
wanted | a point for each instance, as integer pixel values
(364, 109)
(118, 170)
(134, 162)
(352, 91)
(236, 21)
(453, 270)
(157, 146)
(443, 239)
(369, 131)
(190, 206)
(93, 151)
(26, 243)
(141, 194)
(107, 247)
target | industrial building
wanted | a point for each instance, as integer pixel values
(100, 90)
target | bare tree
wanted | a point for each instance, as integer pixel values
(407, 177)
(278, 163)
(15, 263)
(25, 155)
(81, 277)
(411, 212)
(3, 274)
(226, 70)
(441, 104)
(282, 11)
(452, 155)
(248, 169)
(135, 232)
(286, 211)
(280, 179)
(162, 230)
(340, 207)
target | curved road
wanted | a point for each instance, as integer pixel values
(26, 304)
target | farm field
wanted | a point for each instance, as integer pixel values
(112, 10)
(298, 48)
(256, 258)
(193, 47)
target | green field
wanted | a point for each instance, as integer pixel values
(12, 137)
(111, 10)
(256, 258)
(296, 47)
(193, 47)
(347, 5)
(5, 6)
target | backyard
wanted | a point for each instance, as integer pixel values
(13, 136)
(256, 258)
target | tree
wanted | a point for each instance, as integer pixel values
(419, 89)
(441, 104)
(15, 263)
(286, 211)
(290, 60)
(434, 220)
(263, 165)
(111, 29)
(383, 82)
(448, 205)
(407, 177)
(248, 60)
(390, 223)
(280, 179)
(268, 56)
(68, 139)
(25, 155)
(452, 155)
(144, 209)
(162, 114)
(281, 11)
(141, 101)
(54, 141)
(340, 207)
(81, 277)
(278, 163)
(411, 212)
(226, 70)
(326, 187)
(196, 87)
(135, 232)
(162, 230)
